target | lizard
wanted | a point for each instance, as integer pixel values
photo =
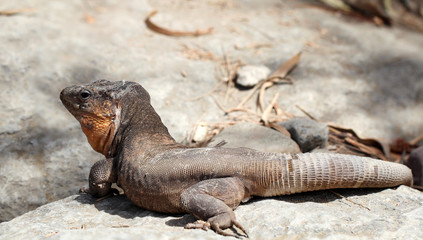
(159, 174)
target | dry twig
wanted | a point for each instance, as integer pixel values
(339, 195)
(155, 28)
(9, 13)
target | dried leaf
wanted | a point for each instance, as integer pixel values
(400, 146)
(15, 11)
(370, 146)
(285, 68)
(155, 28)
(341, 136)
(266, 113)
(371, 151)
(280, 129)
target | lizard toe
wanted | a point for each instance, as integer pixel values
(199, 224)
(226, 220)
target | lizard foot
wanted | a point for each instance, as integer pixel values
(212, 201)
(199, 224)
(213, 223)
(112, 192)
(84, 190)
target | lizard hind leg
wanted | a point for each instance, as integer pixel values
(212, 202)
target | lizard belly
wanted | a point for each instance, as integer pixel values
(166, 203)
(151, 193)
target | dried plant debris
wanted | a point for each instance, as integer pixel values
(345, 140)
(270, 114)
(341, 139)
(197, 53)
(279, 76)
(174, 33)
(407, 13)
(252, 46)
(13, 12)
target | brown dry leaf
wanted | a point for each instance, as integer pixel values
(347, 141)
(285, 68)
(16, 11)
(369, 146)
(155, 28)
(280, 129)
(400, 146)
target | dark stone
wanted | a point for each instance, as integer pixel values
(415, 163)
(308, 134)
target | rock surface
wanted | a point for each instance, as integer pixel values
(307, 133)
(363, 214)
(249, 76)
(366, 83)
(257, 137)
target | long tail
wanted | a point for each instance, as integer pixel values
(292, 173)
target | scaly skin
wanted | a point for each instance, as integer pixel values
(158, 174)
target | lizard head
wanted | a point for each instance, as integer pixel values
(97, 107)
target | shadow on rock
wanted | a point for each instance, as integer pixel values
(119, 205)
(181, 221)
(323, 196)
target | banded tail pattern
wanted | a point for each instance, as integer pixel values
(294, 173)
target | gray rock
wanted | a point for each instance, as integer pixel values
(249, 76)
(415, 163)
(391, 214)
(38, 166)
(308, 134)
(257, 137)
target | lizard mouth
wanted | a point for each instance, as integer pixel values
(69, 101)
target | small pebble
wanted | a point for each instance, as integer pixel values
(249, 76)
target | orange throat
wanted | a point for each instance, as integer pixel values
(99, 131)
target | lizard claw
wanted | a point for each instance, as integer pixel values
(84, 190)
(199, 224)
(238, 225)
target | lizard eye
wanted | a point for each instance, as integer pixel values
(85, 94)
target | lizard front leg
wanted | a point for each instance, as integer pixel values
(212, 202)
(102, 175)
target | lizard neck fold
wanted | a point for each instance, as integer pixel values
(141, 130)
